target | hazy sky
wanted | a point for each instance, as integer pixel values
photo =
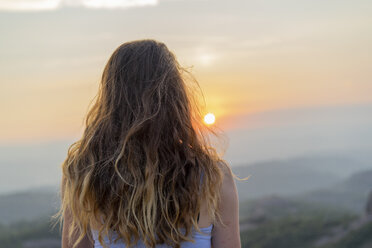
(248, 56)
(284, 78)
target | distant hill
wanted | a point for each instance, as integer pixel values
(350, 194)
(280, 222)
(360, 238)
(30, 234)
(309, 178)
(288, 177)
(28, 205)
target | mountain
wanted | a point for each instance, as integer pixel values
(351, 193)
(309, 178)
(28, 205)
(289, 176)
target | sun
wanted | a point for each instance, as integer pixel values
(209, 118)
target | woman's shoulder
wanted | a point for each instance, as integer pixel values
(228, 187)
(227, 232)
(228, 175)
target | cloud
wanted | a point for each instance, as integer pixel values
(28, 5)
(45, 5)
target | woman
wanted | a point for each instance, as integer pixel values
(143, 174)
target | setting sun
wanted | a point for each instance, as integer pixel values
(209, 118)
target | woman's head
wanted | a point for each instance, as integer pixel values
(138, 164)
(143, 95)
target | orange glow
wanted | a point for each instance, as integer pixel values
(209, 118)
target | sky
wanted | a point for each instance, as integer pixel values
(270, 70)
(248, 56)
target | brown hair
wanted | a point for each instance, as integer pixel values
(138, 164)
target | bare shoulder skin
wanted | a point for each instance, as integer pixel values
(227, 236)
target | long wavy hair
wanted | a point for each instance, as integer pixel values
(144, 162)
